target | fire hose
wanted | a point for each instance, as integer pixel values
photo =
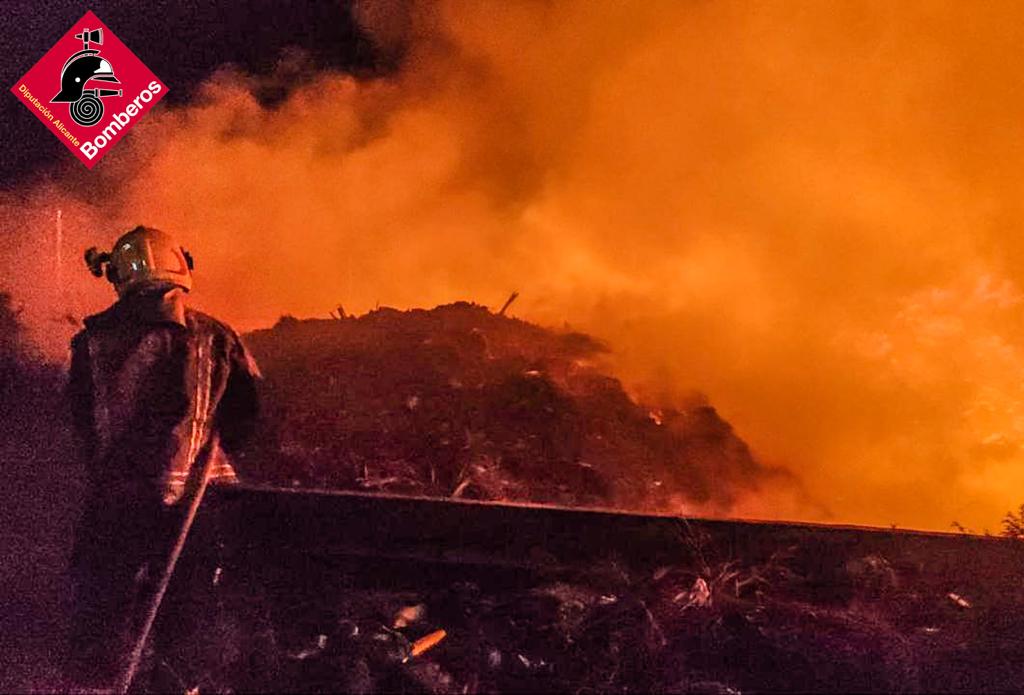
(153, 608)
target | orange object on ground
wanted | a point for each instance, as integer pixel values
(428, 642)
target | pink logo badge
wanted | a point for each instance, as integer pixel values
(89, 89)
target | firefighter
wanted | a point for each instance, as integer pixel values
(160, 396)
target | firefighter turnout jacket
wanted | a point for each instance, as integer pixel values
(157, 391)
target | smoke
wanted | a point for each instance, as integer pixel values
(808, 211)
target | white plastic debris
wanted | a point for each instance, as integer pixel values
(959, 600)
(407, 615)
(321, 644)
(698, 596)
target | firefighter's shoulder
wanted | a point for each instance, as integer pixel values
(224, 335)
(99, 321)
(202, 323)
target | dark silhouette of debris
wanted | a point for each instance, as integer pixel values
(459, 401)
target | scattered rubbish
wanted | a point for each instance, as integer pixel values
(430, 677)
(873, 574)
(389, 646)
(426, 643)
(698, 596)
(610, 628)
(348, 629)
(709, 688)
(407, 615)
(959, 600)
(311, 651)
(533, 664)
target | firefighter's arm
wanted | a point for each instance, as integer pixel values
(239, 408)
(80, 397)
(175, 411)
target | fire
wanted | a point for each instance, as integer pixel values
(809, 213)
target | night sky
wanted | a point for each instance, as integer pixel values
(182, 42)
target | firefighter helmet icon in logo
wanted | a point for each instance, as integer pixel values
(78, 77)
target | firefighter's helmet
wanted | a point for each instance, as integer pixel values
(143, 258)
(81, 68)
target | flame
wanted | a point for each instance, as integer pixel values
(808, 211)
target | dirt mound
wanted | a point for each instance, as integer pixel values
(459, 401)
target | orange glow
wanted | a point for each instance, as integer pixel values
(810, 211)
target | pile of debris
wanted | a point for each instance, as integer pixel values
(459, 401)
(798, 620)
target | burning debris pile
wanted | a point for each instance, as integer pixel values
(461, 402)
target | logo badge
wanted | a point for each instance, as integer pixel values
(89, 89)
